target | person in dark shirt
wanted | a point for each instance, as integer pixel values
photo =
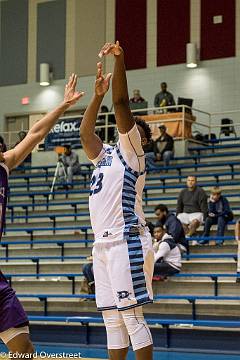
(89, 276)
(219, 213)
(151, 151)
(164, 97)
(165, 146)
(172, 225)
(192, 206)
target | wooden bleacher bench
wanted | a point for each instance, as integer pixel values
(84, 320)
(162, 178)
(74, 204)
(197, 166)
(168, 198)
(51, 216)
(25, 206)
(36, 259)
(46, 194)
(165, 323)
(182, 186)
(31, 230)
(227, 139)
(197, 158)
(189, 298)
(88, 165)
(71, 276)
(198, 149)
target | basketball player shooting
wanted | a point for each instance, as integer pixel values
(122, 251)
(14, 330)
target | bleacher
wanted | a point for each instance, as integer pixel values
(47, 241)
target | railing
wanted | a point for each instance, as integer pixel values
(205, 121)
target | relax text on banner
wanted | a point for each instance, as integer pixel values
(65, 132)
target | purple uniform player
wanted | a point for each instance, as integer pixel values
(14, 330)
(8, 300)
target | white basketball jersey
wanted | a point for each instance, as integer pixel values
(117, 183)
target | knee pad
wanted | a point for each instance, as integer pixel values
(117, 334)
(137, 328)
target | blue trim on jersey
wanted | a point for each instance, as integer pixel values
(133, 240)
(141, 302)
(133, 172)
(133, 246)
(137, 277)
(114, 307)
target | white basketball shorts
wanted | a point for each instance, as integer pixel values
(123, 272)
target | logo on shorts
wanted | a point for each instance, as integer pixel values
(123, 295)
(106, 234)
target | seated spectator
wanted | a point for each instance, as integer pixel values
(3, 146)
(71, 164)
(167, 255)
(89, 277)
(237, 237)
(137, 97)
(165, 146)
(150, 151)
(172, 225)
(164, 98)
(192, 207)
(219, 213)
(150, 226)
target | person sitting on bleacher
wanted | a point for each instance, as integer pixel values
(172, 225)
(150, 151)
(137, 98)
(165, 146)
(89, 276)
(237, 237)
(192, 207)
(71, 163)
(167, 255)
(219, 213)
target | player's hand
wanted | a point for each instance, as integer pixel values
(111, 49)
(71, 96)
(102, 82)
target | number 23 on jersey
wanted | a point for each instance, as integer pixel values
(96, 184)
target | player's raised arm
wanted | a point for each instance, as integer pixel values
(91, 143)
(39, 130)
(124, 118)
